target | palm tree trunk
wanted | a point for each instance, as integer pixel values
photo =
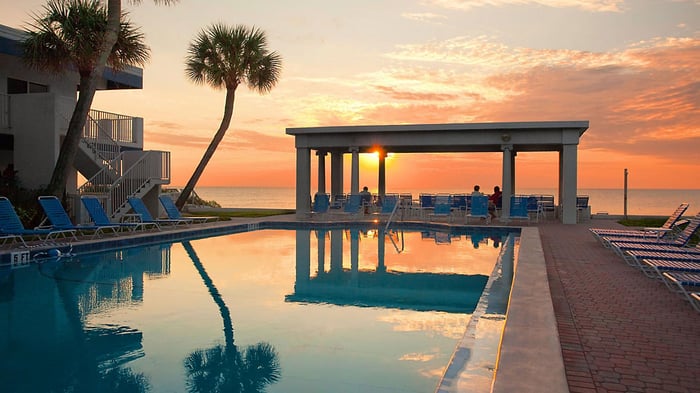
(225, 122)
(88, 86)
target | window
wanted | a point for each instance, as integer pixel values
(18, 86)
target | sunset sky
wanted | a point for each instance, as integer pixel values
(632, 68)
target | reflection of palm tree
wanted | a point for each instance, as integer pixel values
(225, 368)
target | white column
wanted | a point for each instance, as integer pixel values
(507, 179)
(355, 171)
(321, 171)
(382, 175)
(303, 201)
(336, 174)
(569, 179)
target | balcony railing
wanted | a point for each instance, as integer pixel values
(117, 127)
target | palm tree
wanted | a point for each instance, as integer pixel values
(224, 57)
(105, 49)
(70, 35)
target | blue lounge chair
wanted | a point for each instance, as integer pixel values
(11, 226)
(634, 258)
(666, 228)
(520, 206)
(59, 219)
(322, 203)
(681, 282)
(442, 207)
(655, 268)
(139, 208)
(174, 214)
(680, 240)
(389, 203)
(99, 216)
(479, 208)
(353, 205)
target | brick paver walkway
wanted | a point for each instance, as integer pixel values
(620, 331)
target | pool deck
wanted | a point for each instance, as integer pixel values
(618, 330)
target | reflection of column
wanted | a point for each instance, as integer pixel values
(382, 175)
(508, 190)
(303, 203)
(336, 251)
(303, 264)
(321, 246)
(354, 255)
(380, 250)
(336, 174)
(321, 171)
(355, 171)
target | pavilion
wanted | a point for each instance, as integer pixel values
(508, 138)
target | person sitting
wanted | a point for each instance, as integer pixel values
(476, 190)
(495, 201)
(365, 198)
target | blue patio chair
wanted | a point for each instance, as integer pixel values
(520, 207)
(667, 229)
(11, 227)
(389, 203)
(479, 208)
(59, 219)
(582, 212)
(99, 216)
(174, 214)
(679, 241)
(139, 208)
(353, 204)
(321, 203)
(679, 281)
(442, 207)
(427, 204)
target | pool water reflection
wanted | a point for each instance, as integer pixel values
(272, 310)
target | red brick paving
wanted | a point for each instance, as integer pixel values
(619, 330)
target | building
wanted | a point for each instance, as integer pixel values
(35, 109)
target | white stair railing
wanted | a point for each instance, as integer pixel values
(137, 171)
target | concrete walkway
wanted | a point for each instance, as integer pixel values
(619, 330)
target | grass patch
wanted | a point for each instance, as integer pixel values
(253, 213)
(643, 222)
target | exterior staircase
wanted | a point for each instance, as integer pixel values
(111, 157)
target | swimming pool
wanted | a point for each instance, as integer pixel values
(333, 309)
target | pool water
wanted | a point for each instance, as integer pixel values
(272, 310)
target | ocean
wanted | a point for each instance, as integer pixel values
(611, 201)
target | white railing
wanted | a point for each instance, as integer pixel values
(118, 128)
(4, 111)
(136, 170)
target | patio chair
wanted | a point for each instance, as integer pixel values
(623, 248)
(634, 257)
(442, 207)
(59, 219)
(353, 205)
(520, 208)
(654, 268)
(427, 204)
(11, 227)
(99, 216)
(174, 214)
(582, 209)
(679, 241)
(389, 202)
(322, 203)
(479, 208)
(139, 208)
(681, 282)
(671, 223)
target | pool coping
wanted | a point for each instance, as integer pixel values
(530, 355)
